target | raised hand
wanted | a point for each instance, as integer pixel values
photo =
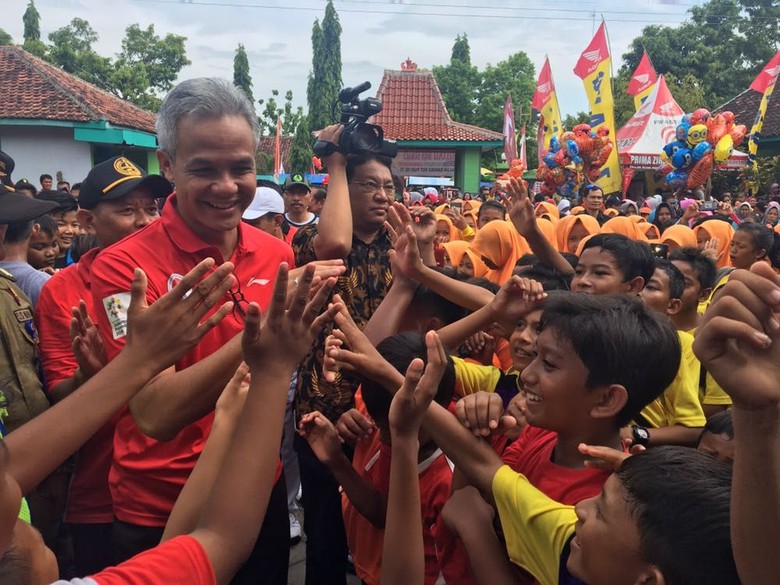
(353, 426)
(286, 334)
(738, 340)
(606, 458)
(86, 343)
(711, 250)
(411, 401)
(322, 437)
(519, 207)
(483, 414)
(517, 297)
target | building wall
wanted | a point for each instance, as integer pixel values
(467, 166)
(45, 149)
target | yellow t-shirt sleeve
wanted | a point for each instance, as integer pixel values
(471, 378)
(679, 404)
(714, 394)
(536, 528)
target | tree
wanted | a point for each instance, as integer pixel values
(241, 76)
(301, 149)
(71, 50)
(272, 111)
(458, 82)
(5, 38)
(32, 23)
(325, 80)
(514, 76)
(570, 121)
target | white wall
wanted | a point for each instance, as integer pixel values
(40, 149)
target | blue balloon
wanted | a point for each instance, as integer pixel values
(549, 159)
(671, 148)
(700, 150)
(682, 159)
(555, 144)
(677, 179)
(572, 148)
(682, 131)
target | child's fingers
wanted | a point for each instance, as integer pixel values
(412, 378)
(276, 309)
(214, 319)
(300, 300)
(314, 306)
(730, 307)
(603, 457)
(138, 289)
(251, 325)
(711, 339)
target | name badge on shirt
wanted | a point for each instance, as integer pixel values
(116, 311)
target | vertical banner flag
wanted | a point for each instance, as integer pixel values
(764, 83)
(594, 68)
(546, 102)
(523, 156)
(510, 138)
(278, 149)
(642, 81)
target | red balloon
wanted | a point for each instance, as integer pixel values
(738, 134)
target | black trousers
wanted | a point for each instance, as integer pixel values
(270, 557)
(326, 541)
(92, 548)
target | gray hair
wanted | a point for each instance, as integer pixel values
(204, 97)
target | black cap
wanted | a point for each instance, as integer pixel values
(296, 179)
(17, 207)
(7, 165)
(115, 178)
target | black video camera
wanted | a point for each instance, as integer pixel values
(358, 136)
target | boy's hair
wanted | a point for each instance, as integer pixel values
(549, 278)
(719, 424)
(16, 565)
(319, 195)
(82, 244)
(45, 176)
(24, 184)
(75, 187)
(399, 350)
(491, 205)
(483, 283)
(619, 341)
(65, 203)
(763, 237)
(572, 259)
(47, 225)
(19, 231)
(676, 278)
(435, 305)
(270, 185)
(774, 253)
(633, 258)
(704, 268)
(680, 500)
(353, 163)
(527, 260)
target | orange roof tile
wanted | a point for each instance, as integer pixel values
(413, 109)
(36, 90)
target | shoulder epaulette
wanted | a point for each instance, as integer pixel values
(5, 274)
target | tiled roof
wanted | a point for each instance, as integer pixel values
(745, 108)
(267, 145)
(36, 90)
(413, 109)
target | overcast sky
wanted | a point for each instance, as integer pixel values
(377, 34)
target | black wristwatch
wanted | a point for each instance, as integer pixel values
(640, 435)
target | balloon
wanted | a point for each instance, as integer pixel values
(676, 179)
(729, 117)
(572, 148)
(701, 172)
(604, 153)
(700, 150)
(554, 144)
(716, 129)
(700, 116)
(738, 134)
(593, 174)
(549, 159)
(561, 158)
(558, 176)
(687, 119)
(724, 148)
(566, 136)
(673, 147)
(682, 131)
(665, 158)
(664, 169)
(682, 159)
(696, 134)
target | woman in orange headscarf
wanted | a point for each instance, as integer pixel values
(471, 205)
(445, 232)
(650, 230)
(678, 236)
(722, 233)
(624, 226)
(548, 210)
(471, 217)
(454, 251)
(548, 229)
(572, 229)
(499, 245)
(471, 265)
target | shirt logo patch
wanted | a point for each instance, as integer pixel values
(23, 315)
(116, 311)
(260, 281)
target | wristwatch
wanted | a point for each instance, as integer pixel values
(640, 435)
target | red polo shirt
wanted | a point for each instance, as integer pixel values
(146, 475)
(89, 501)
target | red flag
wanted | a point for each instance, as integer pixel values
(596, 52)
(510, 139)
(278, 149)
(544, 87)
(644, 76)
(768, 75)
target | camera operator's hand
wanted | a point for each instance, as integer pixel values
(332, 134)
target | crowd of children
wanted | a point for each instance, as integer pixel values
(487, 390)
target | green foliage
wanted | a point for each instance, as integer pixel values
(71, 50)
(32, 23)
(241, 76)
(723, 46)
(459, 81)
(5, 38)
(272, 110)
(325, 79)
(570, 121)
(301, 149)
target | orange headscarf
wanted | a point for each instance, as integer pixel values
(548, 229)
(480, 268)
(637, 218)
(544, 207)
(471, 205)
(564, 227)
(455, 250)
(577, 210)
(454, 232)
(474, 215)
(610, 212)
(724, 232)
(500, 243)
(441, 209)
(624, 226)
(650, 230)
(679, 236)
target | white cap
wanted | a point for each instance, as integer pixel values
(266, 201)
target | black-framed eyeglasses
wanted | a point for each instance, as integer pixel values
(374, 187)
(238, 297)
